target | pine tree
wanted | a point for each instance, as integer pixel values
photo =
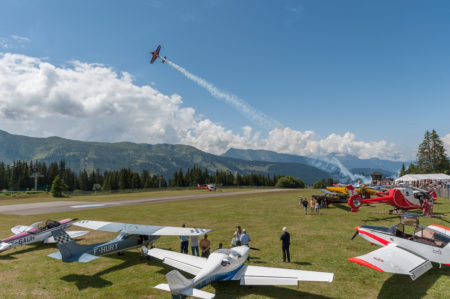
(58, 187)
(402, 170)
(431, 156)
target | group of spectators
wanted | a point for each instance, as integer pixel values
(240, 238)
(316, 203)
(205, 245)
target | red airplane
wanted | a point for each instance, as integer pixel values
(401, 198)
(155, 55)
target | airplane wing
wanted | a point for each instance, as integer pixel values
(256, 275)
(140, 229)
(185, 262)
(394, 259)
(19, 229)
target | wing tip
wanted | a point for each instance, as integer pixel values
(364, 263)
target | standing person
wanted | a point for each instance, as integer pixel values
(305, 206)
(194, 245)
(312, 205)
(285, 243)
(317, 205)
(205, 246)
(237, 236)
(300, 201)
(184, 243)
(245, 239)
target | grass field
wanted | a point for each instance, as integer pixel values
(318, 243)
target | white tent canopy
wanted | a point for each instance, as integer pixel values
(423, 177)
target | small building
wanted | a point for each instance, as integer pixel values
(376, 176)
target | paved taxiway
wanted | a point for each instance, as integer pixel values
(64, 206)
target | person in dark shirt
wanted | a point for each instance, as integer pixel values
(285, 242)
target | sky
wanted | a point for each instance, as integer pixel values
(366, 78)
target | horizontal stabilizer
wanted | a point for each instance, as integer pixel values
(188, 292)
(56, 255)
(84, 258)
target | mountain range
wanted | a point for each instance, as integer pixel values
(165, 159)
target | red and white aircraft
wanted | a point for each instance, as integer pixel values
(155, 55)
(209, 187)
(408, 248)
(401, 198)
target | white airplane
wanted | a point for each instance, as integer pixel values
(37, 232)
(224, 265)
(408, 248)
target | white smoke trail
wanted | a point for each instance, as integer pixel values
(248, 111)
(263, 121)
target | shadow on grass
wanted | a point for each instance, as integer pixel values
(95, 281)
(302, 263)
(7, 257)
(232, 289)
(342, 206)
(401, 286)
(33, 247)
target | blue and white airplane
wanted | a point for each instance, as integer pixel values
(224, 265)
(130, 236)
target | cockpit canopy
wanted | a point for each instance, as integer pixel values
(229, 252)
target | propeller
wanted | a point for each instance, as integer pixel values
(356, 233)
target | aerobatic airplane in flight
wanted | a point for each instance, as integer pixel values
(225, 265)
(37, 232)
(130, 236)
(408, 248)
(155, 55)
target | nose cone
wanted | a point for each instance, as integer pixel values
(4, 246)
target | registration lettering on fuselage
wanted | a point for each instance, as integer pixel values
(106, 248)
(24, 240)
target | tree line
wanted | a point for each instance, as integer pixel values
(18, 176)
(431, 157)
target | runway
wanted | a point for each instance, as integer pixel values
(64, 206)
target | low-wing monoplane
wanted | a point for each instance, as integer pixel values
(401, 198)
(130, 236)
(225, 265)
(37, 232)
(408, 248)
(209, 187)
(155, 55)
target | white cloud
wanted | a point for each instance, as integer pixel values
(20, 39)
(94, 102)
(14, 42)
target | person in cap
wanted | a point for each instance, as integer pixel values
(285, 243)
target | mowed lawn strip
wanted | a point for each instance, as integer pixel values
(318, 243)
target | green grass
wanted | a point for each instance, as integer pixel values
(319, 243)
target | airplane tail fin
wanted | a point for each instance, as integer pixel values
(354, 200)
(69, 250)
(177, 282)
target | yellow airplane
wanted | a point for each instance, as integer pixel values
(363, 189)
